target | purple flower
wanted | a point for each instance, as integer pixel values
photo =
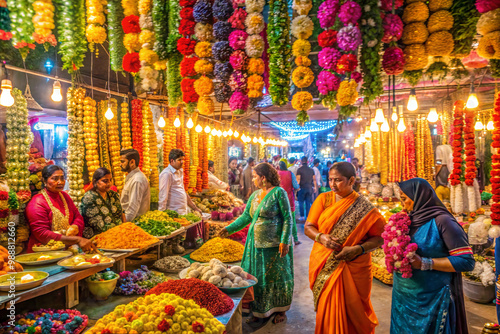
(221, 51)
(328, 58)
(222, 29)
(202, 11)
(327, 13)
(238, 103)
(222, 92)
(238, 81)
(237, 39)
(223, 71)
(327, 82)
(223, 9)
(350, 12)
(349, 38)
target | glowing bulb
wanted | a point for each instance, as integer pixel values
(472, 102)
(347, 145)
(207, 129)
(433, 116)
(401, 125)
(224, 134)
(219, 133)
(356, 143)
(198, 128)
(412, 101)
(490, 126)
(243, 138)
(230, 132)
(362, 139)
(368, 133)
(379, 116)
(190, 123)
(236, 134)
(161, 122)
(373, 126)
(214, 132)
(478, 126)
(56, 92)
(255, 140)
(6, 98)
(109, 113)
(385, 126)
(177, 122)
(394, 116)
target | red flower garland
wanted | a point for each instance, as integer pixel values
(131, 62)
(409, 171)
(189, 95)
(187, 13)
(137, 127)
(130, 24)
(186, 27)
(327, 38)
(458, 126)
(186, 3)
(187, 67)
(347, 63)
(495, 164)
(470, 149)
(186, 46)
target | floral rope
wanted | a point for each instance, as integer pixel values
(254, 47)
(21, 16)
(90, 134)
(43, 22)
(117, 49)
(114, 147)
(146, 140)
(125, 127)
(458, 124)
(131, 30)
(409, 154)
(137, 129)
(150, 63)
(203, 86)
(76, 151)
(226, 40)
(495, 166)
(95, 31)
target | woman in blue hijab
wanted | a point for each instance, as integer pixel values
(431, 301)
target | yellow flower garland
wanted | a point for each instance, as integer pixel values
(255, 84)
(347, 93)
(204, 86)
(148, 57)
(95, 32)
(114, 147)
(90, 134)
(43, 22)
(203, 49)
(301, 47)
(203, 66)
(206, 105)
(125, 123)
(130, 7)
(256, 66)
(302, 76)
(153, 149)
(384, 164)
(302, 101)
(146, 160)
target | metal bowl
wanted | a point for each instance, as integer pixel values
(5, 285)
(31, 259)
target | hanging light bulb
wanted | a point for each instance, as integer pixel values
(190, 123)
(214, 132)
(224, 134)
(472, 102)
(161, 122)
(236, 134)
(362, 138)
(198, 128)
(379, 115)
(6, 98)
(230, 132)
(490, 126)
(412, 101)
(56, 92)
(207, 129)
(432, 117)
(368, 133)
(356, 143)
(394, 115)
(177, 122)
(373, 126)
(385, 126)
(109, 113)
(243, 138)
(219, 133)
(255, 140)
(479, 125)
(401, 125)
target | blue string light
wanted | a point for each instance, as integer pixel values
(292, 136)
(308, 127)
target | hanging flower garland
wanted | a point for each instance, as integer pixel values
(95, 31)
(115, 35)
(226, 39)
(169, 136)
(278, 33)
(76, 151)
(114, 147)
(186, 46)
(43, 22)
(21, 15)
(125, 127)
(160, 12)
(146, 143)
(90, 134)
(489, 28)
(302, 75)
(19, 139)
(154, 179)
(149, 59)
(458, 124)
(397, 247)
(409, 171)
(465, 16)
(5, 28)
(131, 29)
(393, 60)
(495, 170)
(137, 129)
(254, 47)
(105, 160)
(186, 165)
(73, 44)
(173, 77)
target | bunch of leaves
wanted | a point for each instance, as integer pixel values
(21, 16)
(157, 227)
(458, 69)
(174, 19)
(413, 77)
(280, 51)
(370, 55)
(174, 79)
(438, 69)
(13, 202)
(495, 68)
(70, 23)
(465, 17)
(172, 213)
(115, 34)
(160, 13)
(302, 118)
(346, 111)
(191, 217)
(4, 19)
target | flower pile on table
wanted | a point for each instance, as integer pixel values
(225, 250)
(124, 236)
(138, 281)
(47, 321)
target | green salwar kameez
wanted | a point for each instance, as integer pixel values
(271, 224)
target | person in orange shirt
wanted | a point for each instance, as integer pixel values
(346, 227)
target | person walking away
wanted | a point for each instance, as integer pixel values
(213, 181)
(136, 196)
(173, 195)
(432, 300)
(307, 183)
(288, 181)
(268, 251)
(234, 177)
(345, 228)
(293, 168)
(317, 176)
(246, 179)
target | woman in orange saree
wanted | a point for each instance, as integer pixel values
(345, 227)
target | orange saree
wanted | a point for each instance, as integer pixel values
(342, 289)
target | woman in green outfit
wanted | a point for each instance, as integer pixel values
(100, 207)
(268, 251)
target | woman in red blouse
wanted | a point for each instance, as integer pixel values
(52, 214)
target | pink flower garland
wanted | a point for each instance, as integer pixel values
(397, 247)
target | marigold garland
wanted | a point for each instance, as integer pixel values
(154, 178)
(302, 101)
(409, 171)
(495, 166)
(149, 58)
(43, 22)
(90, 134)
(457, 144)
(186, 46)
(137, 128)
(114, 146)
(125, 127)
(76, 151)
(470, 148)
(146, 140)
(95, 31)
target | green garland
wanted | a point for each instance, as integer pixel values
(160, 12)
(413, 77)
(174, 80)
(280, 51)
(174, 19)
(4, 19)
(21, 16)
(70, 20)
(103, 137)
(459, 71)
(465, 17)
(437, 69)
(495, 68)
(370, 55)
(115, 34)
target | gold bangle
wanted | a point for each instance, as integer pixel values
(317, 236)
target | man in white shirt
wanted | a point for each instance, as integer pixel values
(135, 198)
(173, 196)
(293, 168)
(213, 181)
